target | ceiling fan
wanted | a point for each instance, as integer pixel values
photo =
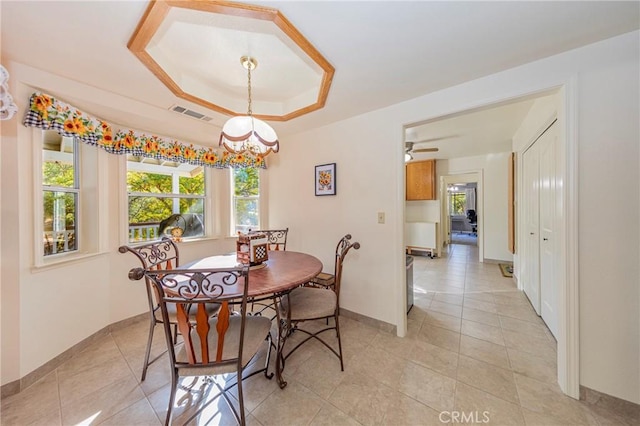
(408, 150)
(409, 147)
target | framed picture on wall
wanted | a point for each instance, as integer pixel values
(325, 179)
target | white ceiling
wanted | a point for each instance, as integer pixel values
(384, 52)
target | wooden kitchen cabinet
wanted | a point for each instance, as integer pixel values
(421, 180)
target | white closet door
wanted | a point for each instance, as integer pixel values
(531, 257)
(548, 241)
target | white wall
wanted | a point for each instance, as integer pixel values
(608, 228)
(368, 150)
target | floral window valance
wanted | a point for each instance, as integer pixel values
(48, 113)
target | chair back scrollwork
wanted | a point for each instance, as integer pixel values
(276, 238)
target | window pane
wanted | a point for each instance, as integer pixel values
(246, 182)
(57, 161)
(59, 221)
(192, 185)
(151, 218)
(246, 214)
(154, 183)
(457, 203)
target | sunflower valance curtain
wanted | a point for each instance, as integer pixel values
(46, 112)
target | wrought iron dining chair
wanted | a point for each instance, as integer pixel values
(276, 238)
(223, 344)
(314, 302)
(277, 241)
(162, 254)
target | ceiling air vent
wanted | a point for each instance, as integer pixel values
(193, 114)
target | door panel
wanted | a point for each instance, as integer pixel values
(548, 246)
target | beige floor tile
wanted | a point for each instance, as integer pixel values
(364, 398)
(73, 387)
(483, 317)
(418, 312)
(256, 389)
(484, 351)
(480, 305)
(451, 298)
(20, 409)
(390, 343)
(483, 296)
(494, 380)
(544, 398)
(413, 328)
(439, 319)
(139, 414)
(101, 352)
(355, 330)
(532, 366)
(293, 405)
(381, 366)
(483, 332)
(331, 416)
(438, 336)
(103, 402)
(522, 312)
(320, 372)
(482, 406)
(612, 417)
(511, 298)
(435, 358)
(539, 347)
(432, 389)
(446, 308)
(408, 411)
(524, 327)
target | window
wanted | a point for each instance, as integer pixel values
(60, 193)
(246, 199)
(164, 199)
(457, 202)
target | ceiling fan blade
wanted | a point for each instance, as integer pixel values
(434, 139)
(426, 150)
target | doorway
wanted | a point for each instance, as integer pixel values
(456, 228)
(463, 219)
(562, 107)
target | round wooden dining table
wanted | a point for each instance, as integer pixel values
(284, 271)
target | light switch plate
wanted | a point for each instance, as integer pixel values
(380, 217)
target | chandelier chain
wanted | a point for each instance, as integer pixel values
(249, 89)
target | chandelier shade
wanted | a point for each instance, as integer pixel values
(246, 133)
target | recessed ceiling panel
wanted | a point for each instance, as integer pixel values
(194, 48)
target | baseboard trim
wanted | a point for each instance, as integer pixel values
(19, 385)
(619, 406)
(372, 322)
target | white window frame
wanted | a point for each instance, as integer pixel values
(159, 169)
(232, 201)
(91, 198)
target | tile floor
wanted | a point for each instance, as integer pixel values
(475, 352)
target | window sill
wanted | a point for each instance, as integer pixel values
(65, 260)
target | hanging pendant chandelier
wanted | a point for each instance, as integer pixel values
(246, 134)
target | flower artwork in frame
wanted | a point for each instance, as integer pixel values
(325, 179)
